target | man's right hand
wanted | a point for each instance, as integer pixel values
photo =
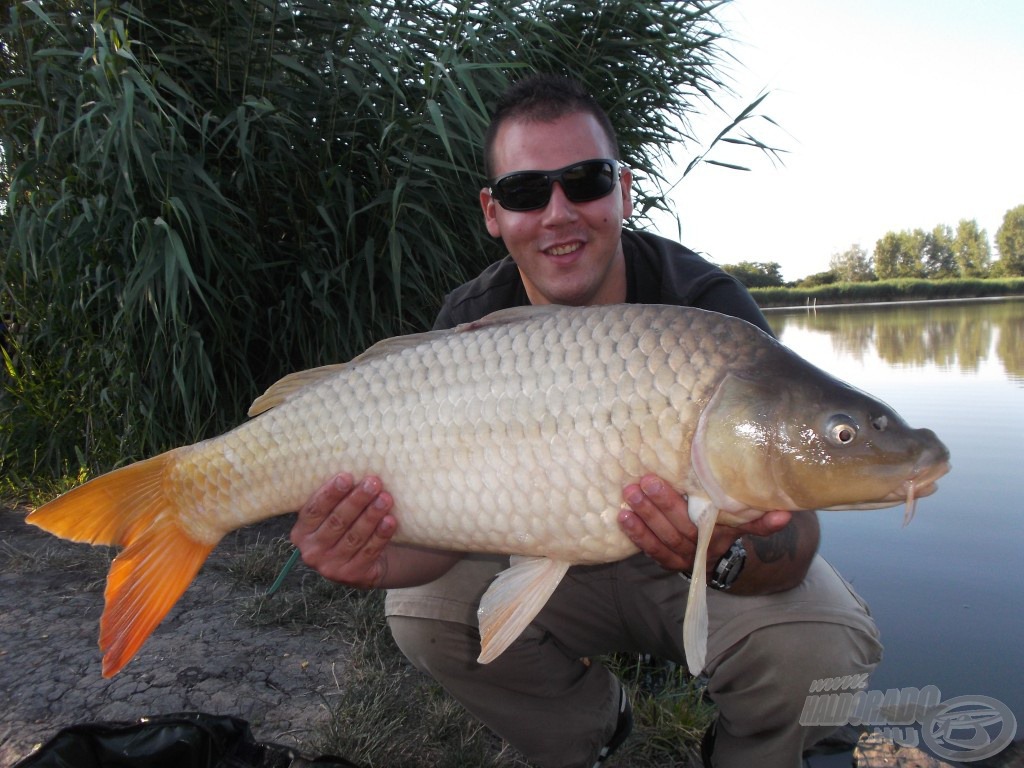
(343, 529)
(344, 533)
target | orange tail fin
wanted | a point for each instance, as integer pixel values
(130, 507)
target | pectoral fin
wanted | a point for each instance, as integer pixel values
(513, 600)
(695, 622)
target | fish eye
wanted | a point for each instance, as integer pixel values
(842, 430)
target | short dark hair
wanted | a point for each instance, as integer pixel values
(544, 98)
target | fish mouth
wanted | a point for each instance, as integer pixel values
(923, 480)
(932, 464)
(920, 482)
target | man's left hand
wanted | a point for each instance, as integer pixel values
(657, 520)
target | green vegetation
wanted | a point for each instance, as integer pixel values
(756, 274)
(1010, 242)
(941, 254)
(886, 290)
(197, 204)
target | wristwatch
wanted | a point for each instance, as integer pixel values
(729, 567)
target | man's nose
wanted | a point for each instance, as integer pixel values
(559, 207)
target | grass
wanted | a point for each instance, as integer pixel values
(385, 713)
(18, 492)
(62, 555)
(51, 555)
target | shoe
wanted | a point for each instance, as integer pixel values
(623, 727)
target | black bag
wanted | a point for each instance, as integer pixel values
(185, 740)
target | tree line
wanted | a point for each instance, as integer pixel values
(939, 253)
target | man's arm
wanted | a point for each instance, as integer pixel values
(780, 545)
(344, 533)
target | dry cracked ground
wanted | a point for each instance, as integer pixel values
(206, 656)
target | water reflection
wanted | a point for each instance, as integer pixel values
(946, 592)
(951, 335)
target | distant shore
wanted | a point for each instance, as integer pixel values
(815, 305)
(887, 291)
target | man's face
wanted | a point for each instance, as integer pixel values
(567, 253)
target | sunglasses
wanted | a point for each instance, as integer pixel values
(581, 182)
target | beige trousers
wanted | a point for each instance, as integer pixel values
(763, 654)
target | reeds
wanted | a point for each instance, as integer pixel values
(202, 197)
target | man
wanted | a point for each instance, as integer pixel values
(781, 617)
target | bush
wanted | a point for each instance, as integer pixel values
(198, 206)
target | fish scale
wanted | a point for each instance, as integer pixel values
(515, 434)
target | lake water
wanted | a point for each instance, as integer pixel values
(948, 590)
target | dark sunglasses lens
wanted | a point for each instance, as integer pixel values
(523, 191)
(530, 190)
(588, 181)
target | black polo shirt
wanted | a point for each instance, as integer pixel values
(658, 271)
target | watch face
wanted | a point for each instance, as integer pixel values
(729, 567)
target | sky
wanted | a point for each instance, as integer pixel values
(893, 114)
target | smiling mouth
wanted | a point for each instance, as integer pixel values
(563, 250)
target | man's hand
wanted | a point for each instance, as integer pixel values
(343, 528)
(780, 546)
(344, 533)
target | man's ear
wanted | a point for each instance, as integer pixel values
(626, 188)
(489, 206)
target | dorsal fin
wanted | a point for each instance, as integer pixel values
(285, 387)
(288, 386)
(396, 344)
(511, 315)
(293, 383)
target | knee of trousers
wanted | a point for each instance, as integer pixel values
(779, 663)
(436, 647)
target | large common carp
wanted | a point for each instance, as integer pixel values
(514, 434)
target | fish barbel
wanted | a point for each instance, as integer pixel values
(514, 434)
